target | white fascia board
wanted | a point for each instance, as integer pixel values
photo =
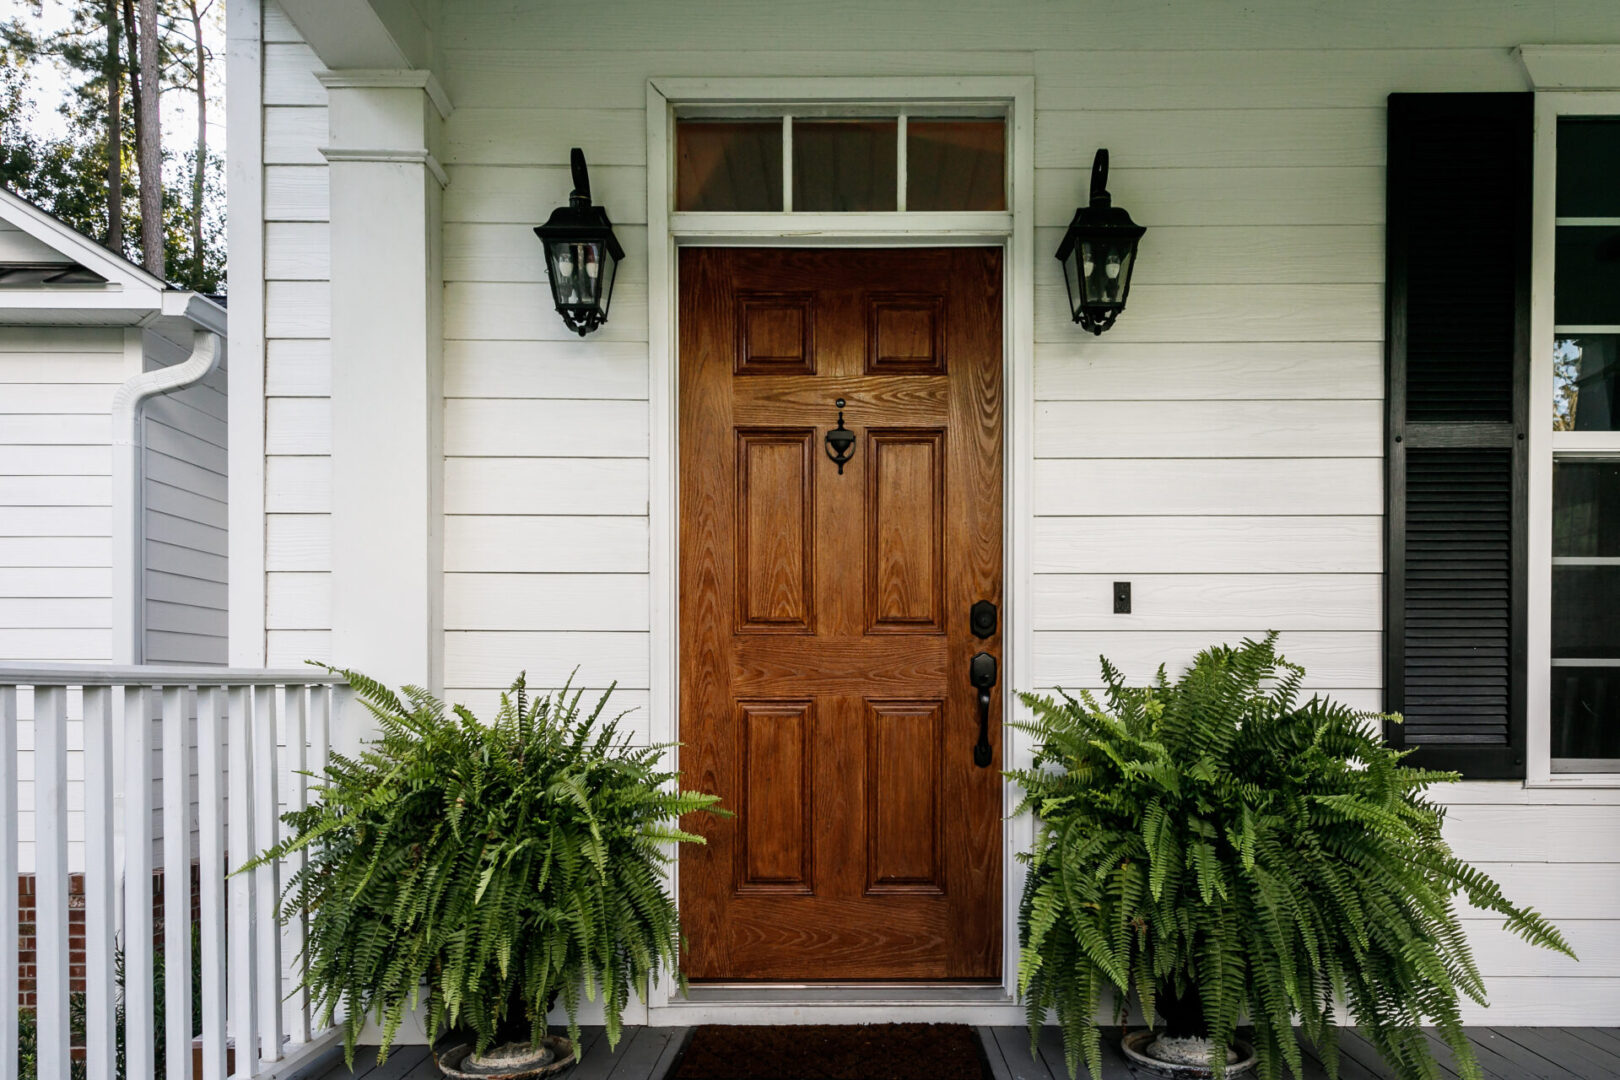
(195, 309)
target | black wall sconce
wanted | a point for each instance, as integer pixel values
(582, 254)
(1098, 253)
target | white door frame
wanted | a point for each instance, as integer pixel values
(1014, 232)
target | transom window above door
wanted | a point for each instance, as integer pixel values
(850, 163)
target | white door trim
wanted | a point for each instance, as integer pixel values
(1015, 233)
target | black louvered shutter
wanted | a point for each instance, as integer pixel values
(1457, 351)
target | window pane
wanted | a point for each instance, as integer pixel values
(1588, 162)
(845, 165)
(956, 165)
(1586, 712)
(1584, 602)
(1587, 276)
(1586, 509)
(728, 165)
(1586, 383)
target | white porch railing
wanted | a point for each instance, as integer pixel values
(250, 735)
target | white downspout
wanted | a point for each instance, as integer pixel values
(128, 496)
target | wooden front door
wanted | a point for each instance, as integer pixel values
(826, 646)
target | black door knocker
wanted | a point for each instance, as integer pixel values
(840, 441)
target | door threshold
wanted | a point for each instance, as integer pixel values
(896, 993)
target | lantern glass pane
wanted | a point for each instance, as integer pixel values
(590, 277)
(728, 165)
(609, 266)
(1105, 268)
(845, 165)
(565, 271)
(1071, 278)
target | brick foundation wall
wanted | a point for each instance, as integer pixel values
(27, 940)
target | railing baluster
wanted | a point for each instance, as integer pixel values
(295, 1007)
(250, 727)
(8, 880)
(244, 1019)
(211, 870)
(139, 1045)
(100, 888)
(177, 882)
(51, 881)
(267, 878)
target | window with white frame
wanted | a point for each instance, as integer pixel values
(1584, 368)
(848, 160)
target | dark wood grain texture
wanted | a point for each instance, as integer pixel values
(835, 608)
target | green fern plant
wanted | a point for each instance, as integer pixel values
(493, 867)
(1218, 841)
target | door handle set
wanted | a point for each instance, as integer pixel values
(982, 674)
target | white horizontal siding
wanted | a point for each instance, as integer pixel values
(56, 390)
(184, 515)
(298, 354)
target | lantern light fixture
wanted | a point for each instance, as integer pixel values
(1098, 253)
(582, 254)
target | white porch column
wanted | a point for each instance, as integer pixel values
(387, 395)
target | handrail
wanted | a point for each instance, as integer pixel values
(30, 674)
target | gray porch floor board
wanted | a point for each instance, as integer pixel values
(648, 1053)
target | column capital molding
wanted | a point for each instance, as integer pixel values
(406, 157)
(389, 79)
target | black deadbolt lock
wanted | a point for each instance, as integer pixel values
(982, 619)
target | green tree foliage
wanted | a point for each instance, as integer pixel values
(494, 867)
(68, 174)
(1216, 838)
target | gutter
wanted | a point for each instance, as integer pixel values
(128, 501)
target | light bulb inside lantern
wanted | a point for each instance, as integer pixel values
(565, 264)
(1112, 267)
(591, 266)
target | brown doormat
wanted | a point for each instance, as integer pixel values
(833, 1052)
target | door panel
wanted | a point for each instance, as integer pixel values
(824, 616)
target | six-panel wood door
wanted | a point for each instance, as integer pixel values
(825, 640)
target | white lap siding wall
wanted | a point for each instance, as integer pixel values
(297, 361)
(56, 391)
(1220, 448)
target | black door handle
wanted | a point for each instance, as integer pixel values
(982, 674)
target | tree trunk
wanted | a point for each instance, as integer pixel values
(149, 138)
(133, 70)
(115, 134)
(200, 172)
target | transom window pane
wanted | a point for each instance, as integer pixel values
(845, 165)
(840, 164)
(728, 165)
(956, 165)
